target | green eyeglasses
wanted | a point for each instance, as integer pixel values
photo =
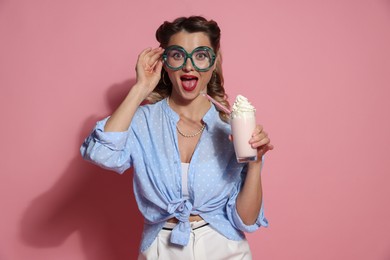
(202, 58)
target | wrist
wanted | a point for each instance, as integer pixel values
(139, 92)
(256, 164)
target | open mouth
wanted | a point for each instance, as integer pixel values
(189, 82)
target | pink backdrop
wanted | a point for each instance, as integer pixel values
(317, 71)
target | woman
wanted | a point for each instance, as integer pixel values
(196, 199)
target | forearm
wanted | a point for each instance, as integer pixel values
(120, 120)
(249, 199)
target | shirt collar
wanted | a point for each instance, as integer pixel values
(172, 114)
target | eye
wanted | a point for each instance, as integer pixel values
(177, 55)
(202, 55)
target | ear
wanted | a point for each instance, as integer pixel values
(218, 60)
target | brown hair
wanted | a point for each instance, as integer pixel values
(192, 24)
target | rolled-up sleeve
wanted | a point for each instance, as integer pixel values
(235, 218)
(261, 221)
(107, 149)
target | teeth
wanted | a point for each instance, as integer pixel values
(188, 78)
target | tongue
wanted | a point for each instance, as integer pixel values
(189, 84)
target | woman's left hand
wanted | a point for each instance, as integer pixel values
(260, 141)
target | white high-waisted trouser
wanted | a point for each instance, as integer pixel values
(205, 244)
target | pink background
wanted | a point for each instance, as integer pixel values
(317, 71)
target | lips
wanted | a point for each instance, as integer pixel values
(189, 82)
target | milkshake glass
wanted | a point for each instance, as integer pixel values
(243, 123)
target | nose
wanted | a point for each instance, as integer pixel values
(188, 65)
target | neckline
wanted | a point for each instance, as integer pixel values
(207, 118)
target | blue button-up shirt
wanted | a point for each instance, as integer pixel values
(150, 146)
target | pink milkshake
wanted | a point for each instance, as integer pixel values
(243, 122)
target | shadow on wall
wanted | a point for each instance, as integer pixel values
(97, 204)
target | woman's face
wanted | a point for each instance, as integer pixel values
(188, 82)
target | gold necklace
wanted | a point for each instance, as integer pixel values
(191, 135)
(188, 135)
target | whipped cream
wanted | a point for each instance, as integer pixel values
(241, 105)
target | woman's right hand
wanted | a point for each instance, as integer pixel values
(148, 68)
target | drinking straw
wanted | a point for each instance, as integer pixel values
(219, 105)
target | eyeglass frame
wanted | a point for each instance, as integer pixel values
(189, 56)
